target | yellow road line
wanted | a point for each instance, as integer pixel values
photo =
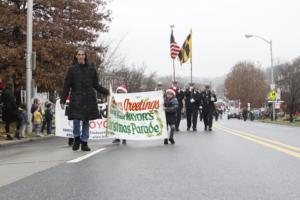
(263, 142)
(263, 139)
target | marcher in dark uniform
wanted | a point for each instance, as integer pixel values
(208, 107)
(192, 102)
(159, 86)
(180, 97)
(81, 82)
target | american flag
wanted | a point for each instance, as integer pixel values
(175, 49)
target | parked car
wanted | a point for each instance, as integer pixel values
(234, 115)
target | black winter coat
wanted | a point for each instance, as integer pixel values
(208, 101)
(180, 96)
(81, 82)
(171, 109)
(9, 109)
(192, 95)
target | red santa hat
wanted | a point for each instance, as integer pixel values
(171, 90)
(123, 88)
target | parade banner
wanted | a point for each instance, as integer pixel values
(64, 127)
(137, 116)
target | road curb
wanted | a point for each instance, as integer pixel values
(15, 142)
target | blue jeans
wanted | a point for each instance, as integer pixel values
(85, 129)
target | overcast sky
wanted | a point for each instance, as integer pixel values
(218, 28)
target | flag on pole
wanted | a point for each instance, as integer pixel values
(174, 47)
(186, 49)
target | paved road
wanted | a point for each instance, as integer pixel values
(238, 160)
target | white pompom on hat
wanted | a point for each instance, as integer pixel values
(122, 88)
(171, 90)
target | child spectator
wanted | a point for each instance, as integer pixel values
(170, 107)
(37, 121)
(24, 120)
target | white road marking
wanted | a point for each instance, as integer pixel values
(85, 156)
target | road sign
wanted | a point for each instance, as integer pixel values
(272, 95)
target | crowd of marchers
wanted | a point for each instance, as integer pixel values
(194, 102)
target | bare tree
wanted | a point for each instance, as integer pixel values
(59, 27)
(135, 78)
(246, 83)
(288, 79)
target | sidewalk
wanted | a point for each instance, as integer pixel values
(281, 122)
(4, 142)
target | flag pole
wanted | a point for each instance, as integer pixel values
(172, 27)
(191, 70)
(173, 70)
(191, 59)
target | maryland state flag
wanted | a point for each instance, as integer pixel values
(186, 49)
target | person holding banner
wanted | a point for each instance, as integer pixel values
(170, 106)
(81, 82)
(120, 89)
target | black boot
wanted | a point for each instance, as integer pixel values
(172, 140)
(166, 141)
(84, 146)
(76, 143)
(116, 141)
(70, 141)
(17, 135)
(123, 141)
(8, 137)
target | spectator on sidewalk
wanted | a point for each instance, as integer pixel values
(10, 111)
(1, 88)
(37, 121)
(48, 118)
(24, 120)
(44, 123)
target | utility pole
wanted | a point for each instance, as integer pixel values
(272, 85)
(29, 62)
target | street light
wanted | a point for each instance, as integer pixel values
(272, 86)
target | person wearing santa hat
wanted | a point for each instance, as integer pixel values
(120, 89)
(170, 107)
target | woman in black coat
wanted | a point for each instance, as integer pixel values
(80, 83)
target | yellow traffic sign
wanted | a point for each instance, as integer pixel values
(272, 95)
